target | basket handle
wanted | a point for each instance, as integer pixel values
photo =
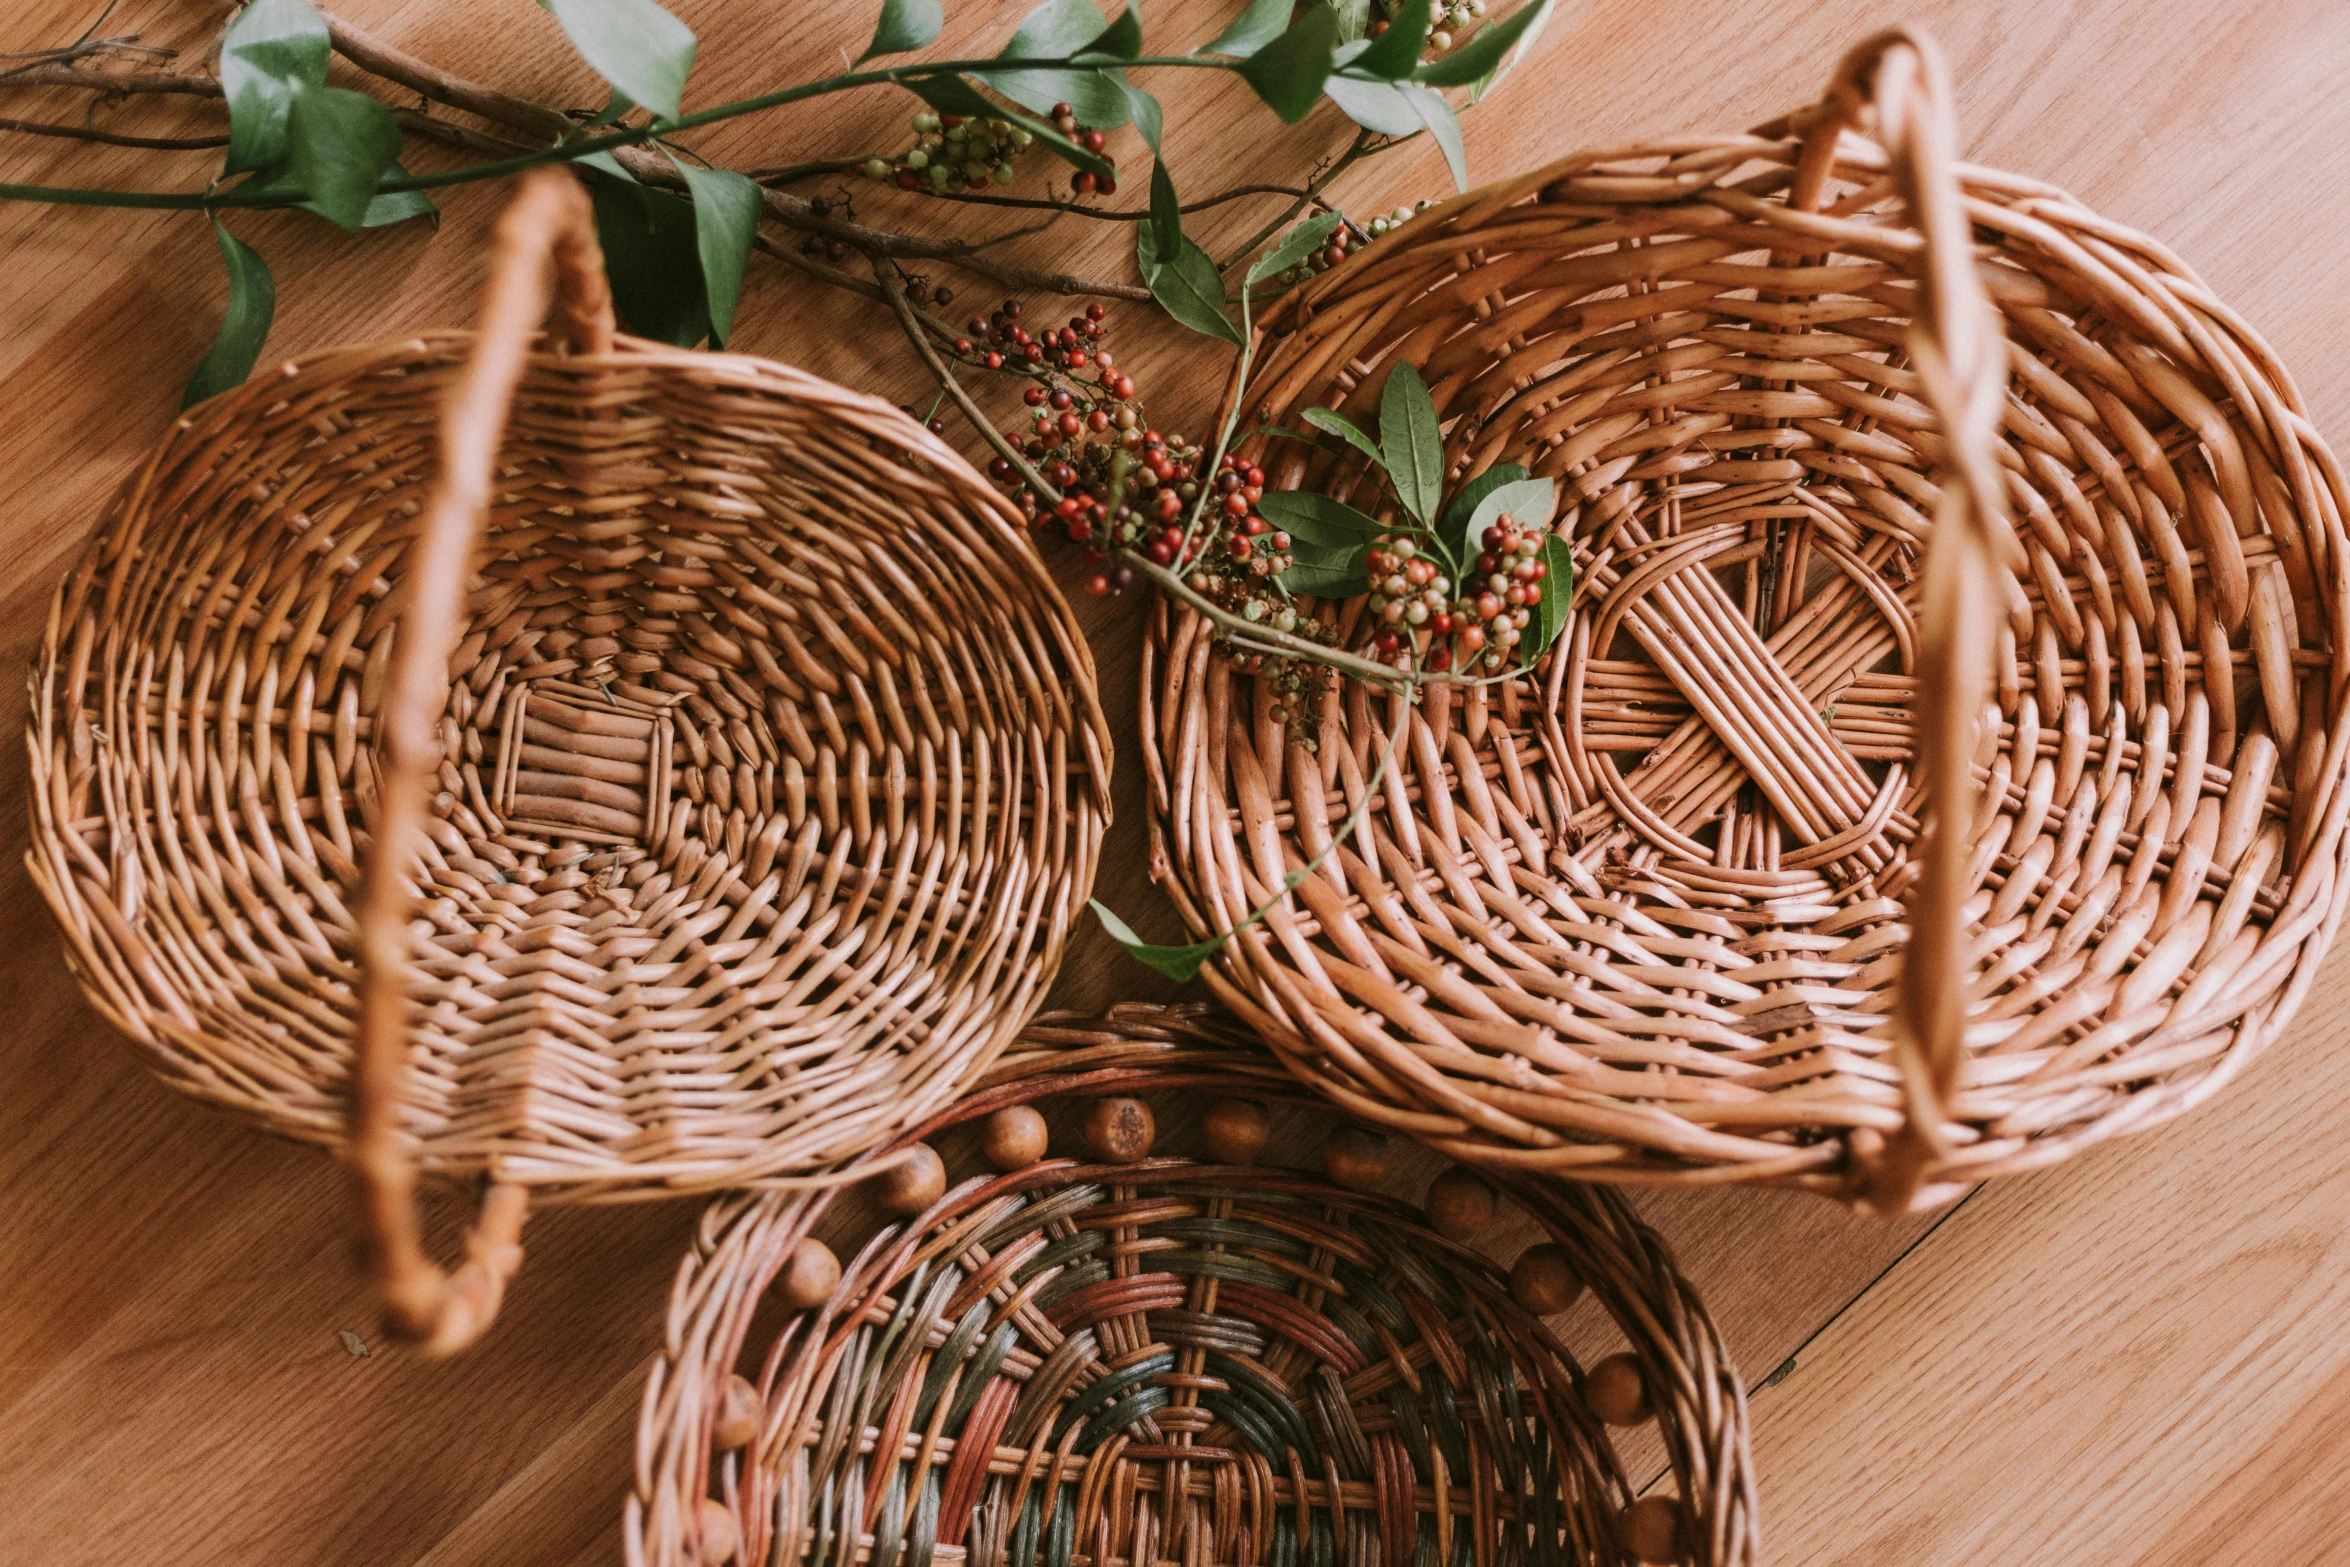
(548, 229)
(1897, 79)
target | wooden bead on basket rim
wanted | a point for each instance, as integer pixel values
(1120, 1131)
(913, 1182)
(739, 1411)
(1543, 1281)
(1652, 1529)
(1235, 1131)
(1354, 1158)
(810, 1274)
(1014, 1137)
(1617, 1391)
(720, 1535)
(1460, 1204)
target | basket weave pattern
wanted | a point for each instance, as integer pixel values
(1639, 915)
(768, 780)
(1168, 1361)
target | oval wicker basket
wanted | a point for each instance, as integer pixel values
(747, 766)
(1048, 1355)
(1637, 916)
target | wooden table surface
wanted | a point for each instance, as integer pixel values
(2142, 1357)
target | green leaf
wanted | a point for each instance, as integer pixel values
(1340, 576)
(1259, 25)
(1122, 40)
(1345, 429)
(338, 145)
(614, 111)
(252, 301)
(1482, 55)
(726, 218)
(1300, 242)
(1185, 283)
(652, 253)
(1558, 596)
(1288, 73)
(636, 46)
(905, 25)
(1317, 520)
(1445, 126)
(1149, 118)
(953, 95)
(1354, 20)
(1166, 219)
(1455, 528)
(397, 206)
(1179, 964)
(1395, 53)
(1375, 106)
(1059, 29)
(273, 50)
(1410, 443)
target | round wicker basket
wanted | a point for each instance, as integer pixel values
(1639, 915)
(1047, 1358)
(673, 770)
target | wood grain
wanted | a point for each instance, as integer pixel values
(2139, 1359)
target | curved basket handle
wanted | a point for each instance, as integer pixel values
(548, 228)
(1959, 352)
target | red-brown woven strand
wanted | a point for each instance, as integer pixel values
(1637, 917)
(859, 1436)
(756, 800)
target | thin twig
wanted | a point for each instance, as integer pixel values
(1362, 146)
(112, 138)
(895, 293)
(49, 74)
(1126, 214)
(373, 55)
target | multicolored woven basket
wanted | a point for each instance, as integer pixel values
(1121, 1358)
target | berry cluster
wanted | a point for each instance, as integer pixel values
(954, 153)
(1453, 14)
(1477, 620)
(1347, 238)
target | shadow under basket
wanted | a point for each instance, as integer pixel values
(660, 771)
(1118, 1358)
(1941, 767)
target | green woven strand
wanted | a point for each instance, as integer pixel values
(1108, 1389)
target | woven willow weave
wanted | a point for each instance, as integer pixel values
(1034, 1370)
(1639, 916)
(750, 768)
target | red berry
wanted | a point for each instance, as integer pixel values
(1034, 397)
(1387, 641)
(1096, 312)
(1000, 468)
(1061, 398)
(1097, 420)
(1236, 504)
(907, 180)
(1084, 183)
(950, 121)
(1440, 659)
(1440, 623)
(1170, 505)
(1062, 111)
(1488, 606)
(1033, 354)
(1162, 552)
(1077, 361)
(995, 361)
(1071, 424)
(1109, 185)
(1252, 526)
(962, 345)
(1095, 141)
(1471, 638)
(1098, 585)
(1240, 548)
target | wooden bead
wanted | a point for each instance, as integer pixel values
(720, 1538)
(1459, 1205)
(1235, 1131)
(1119, 1131)
(1616, 1391)
(912, 1184)
(1013, 1138)
(810, 1274)
(1652, 1529)
(1543, 1282)
(1354, 1158)
(738, 1414)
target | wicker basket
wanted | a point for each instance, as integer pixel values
(1046, 1356)
(1638, 916)
(750, 788)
